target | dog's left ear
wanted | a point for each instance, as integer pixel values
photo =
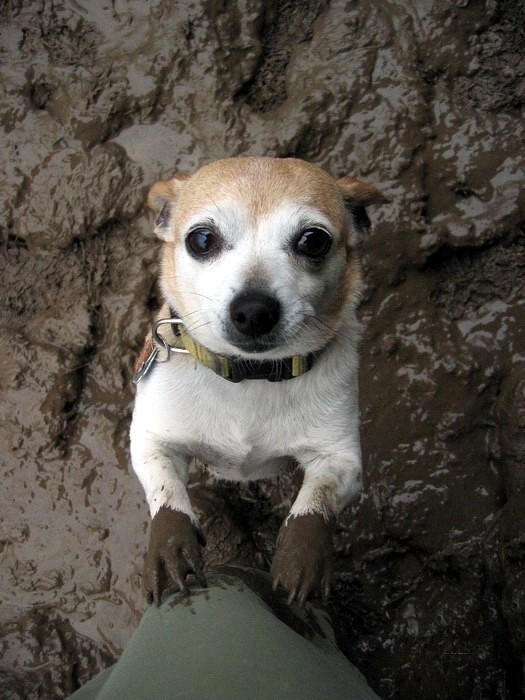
(357, 196)
(161, 197)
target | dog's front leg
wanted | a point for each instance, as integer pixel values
(303, 559)
(175, 541)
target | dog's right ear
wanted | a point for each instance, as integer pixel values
(161, 197)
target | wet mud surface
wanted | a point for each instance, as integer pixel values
(101, 99)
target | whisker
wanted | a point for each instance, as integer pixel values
(308, 333)
(187, 291)
(195, 327)
(330, 328)
(184, 317)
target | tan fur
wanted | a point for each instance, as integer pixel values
(165, 191)
(264, 183)
(357, 193)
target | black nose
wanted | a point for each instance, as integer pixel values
(254, 313)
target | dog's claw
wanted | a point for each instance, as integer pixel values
(175, 575)
(301, 599)
(326, 588)
(174, 552)
(303, 560)
(196, 567)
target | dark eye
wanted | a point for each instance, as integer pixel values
(314, 243)
(202, 241)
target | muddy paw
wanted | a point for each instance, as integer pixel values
(302, 564)
(174, 552)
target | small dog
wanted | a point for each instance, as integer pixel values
(253, 360)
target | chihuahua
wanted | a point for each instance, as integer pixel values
(252, 362)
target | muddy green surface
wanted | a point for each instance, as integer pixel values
(100, 99)
(182, 650)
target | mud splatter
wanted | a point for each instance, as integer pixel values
(423, 99)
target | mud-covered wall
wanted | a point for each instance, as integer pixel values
(98, 100)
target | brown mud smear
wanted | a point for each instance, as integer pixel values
(425, 100)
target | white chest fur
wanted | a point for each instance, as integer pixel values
(242, 431)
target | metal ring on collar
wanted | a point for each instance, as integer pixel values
(162, 342)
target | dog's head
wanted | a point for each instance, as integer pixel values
(260, 253)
